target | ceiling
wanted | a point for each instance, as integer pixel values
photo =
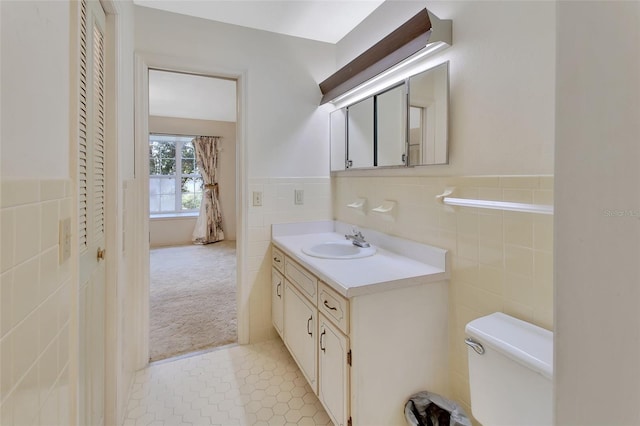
(322, 20)
(173, 94)
(189, 96)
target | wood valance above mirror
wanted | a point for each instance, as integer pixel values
(422, 30)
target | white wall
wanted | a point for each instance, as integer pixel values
(501, 80)
(501, 125)
(597, 276)
(170, 231)
(287, 133)
(37, 378)
(38, 76)
(35, 113)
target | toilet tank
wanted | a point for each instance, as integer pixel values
(511, 382)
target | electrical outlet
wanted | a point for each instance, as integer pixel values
(299, 196)
(64, 241)
(257, 198)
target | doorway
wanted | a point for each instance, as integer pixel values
(192, 288)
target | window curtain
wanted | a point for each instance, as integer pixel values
(209, 224)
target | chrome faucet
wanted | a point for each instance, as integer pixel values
(357, 239)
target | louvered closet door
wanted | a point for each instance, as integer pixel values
(91, 210)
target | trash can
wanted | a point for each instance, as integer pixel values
(430, 409)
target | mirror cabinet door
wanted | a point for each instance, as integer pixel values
(360, 133)
(373, 132)
(391, 127)
(429, 116)
(338, 135)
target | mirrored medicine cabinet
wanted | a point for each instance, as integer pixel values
(404, 125)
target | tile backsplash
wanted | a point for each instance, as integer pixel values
(500, 260)
(34, 303)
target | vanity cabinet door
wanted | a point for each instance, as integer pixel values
(277, 299)
(333, 372)
(300, 332)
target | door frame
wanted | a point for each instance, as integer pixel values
(116, 37)
(144, 62)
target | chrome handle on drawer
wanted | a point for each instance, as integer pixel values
(310, 333)
(326, 304)
(476, 346)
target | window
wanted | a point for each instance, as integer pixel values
(175, 184)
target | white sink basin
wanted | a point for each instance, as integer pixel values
(338, 250)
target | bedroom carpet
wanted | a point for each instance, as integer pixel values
(192, 298)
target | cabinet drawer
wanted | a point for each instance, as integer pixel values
(333, 306)
(305, 280)
(277, 259)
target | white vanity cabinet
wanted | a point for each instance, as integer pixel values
(364, 355)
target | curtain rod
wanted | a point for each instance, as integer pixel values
(181, 134)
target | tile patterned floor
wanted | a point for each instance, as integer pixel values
(258, 384)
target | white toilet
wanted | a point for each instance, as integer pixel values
(510, 371)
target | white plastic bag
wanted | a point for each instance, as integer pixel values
(430, 409)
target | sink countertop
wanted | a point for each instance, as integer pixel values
(385, 270)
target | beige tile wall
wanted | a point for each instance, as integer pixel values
(501, 261)
(277, 207)
(34, 303)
